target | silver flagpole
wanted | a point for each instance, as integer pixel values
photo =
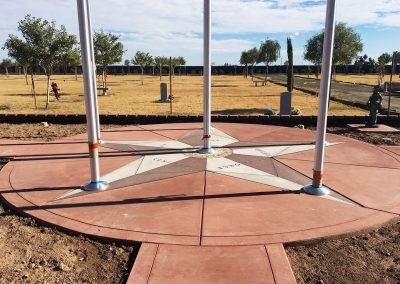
(94, 70)
(329, 35)
(207, 149)
(90, 92)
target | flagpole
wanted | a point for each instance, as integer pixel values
(90, 93)
(94, 70)
(207, 148)
(317, 188)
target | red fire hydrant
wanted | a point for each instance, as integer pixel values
(56, 90)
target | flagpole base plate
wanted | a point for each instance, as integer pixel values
(319, 191)
(206, 151)
(96, 186)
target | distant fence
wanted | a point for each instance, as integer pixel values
(280, 120)
(198, 70)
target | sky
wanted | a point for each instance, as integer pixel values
(174, 27)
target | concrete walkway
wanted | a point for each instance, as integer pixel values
(205, 219)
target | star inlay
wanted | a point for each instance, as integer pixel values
(171, 158)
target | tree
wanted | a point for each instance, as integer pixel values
(22, 52)
(269, 53)
(71, 58)
(359, 63)
(142, 59)
(245, 60)
(52, 46)
(181, 62)
(383, 59)
(313, 51)
(347, 44)
(107, 50)
(44, 46)
(253, 55)
(160, 61)
(290, 65)
(365, 63)
(127, 62)
(6, 63)
(174, 63)
(396, 58)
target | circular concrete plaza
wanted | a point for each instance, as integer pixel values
(161, 191)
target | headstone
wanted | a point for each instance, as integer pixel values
(286, 103)
(164, 92)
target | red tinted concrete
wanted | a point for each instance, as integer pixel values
(176, 131)
(144, 261)
(143, 208)
(186, 264)
(352, 153)
(280, 265)
(393, 149)
(206, 227)
(380, 129)
(372, 187)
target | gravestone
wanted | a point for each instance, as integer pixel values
(286, 103)
(164, 92)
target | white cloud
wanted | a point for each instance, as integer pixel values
(175, 26)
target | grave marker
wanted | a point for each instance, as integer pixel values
(286, 103)
(164, 93)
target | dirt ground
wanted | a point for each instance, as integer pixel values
(367, 258)
(32, 253)
(230, 95)
(387, 139)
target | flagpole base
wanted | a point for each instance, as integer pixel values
(96, 186)
(206, 151)
(319, 191)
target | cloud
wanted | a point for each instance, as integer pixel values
(175, 26)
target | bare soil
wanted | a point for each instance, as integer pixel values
(382, 139)
(33, 253)
(367, 258)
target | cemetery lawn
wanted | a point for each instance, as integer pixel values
(368, 79)
(231, 95)
(32, 253)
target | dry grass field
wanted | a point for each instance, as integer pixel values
(231, 95)
(369, 79)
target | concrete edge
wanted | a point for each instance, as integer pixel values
(279, 120)
(280, 264)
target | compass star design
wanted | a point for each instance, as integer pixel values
(242, 160)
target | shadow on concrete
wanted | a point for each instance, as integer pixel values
(158, 199)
